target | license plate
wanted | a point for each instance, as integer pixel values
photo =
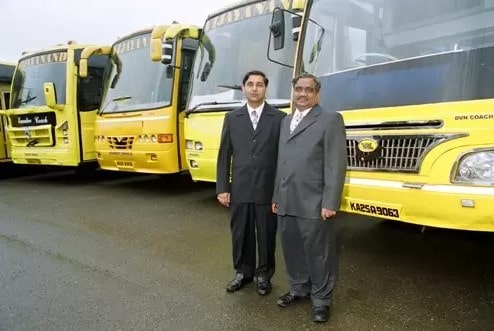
(125, 164)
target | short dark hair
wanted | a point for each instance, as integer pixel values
(310, 76)
(255, 73)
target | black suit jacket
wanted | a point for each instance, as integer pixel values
(247, 158)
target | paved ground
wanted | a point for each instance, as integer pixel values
(145, 252)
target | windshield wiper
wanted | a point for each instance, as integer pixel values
(28, 100)
(122, 97)
(233, 87)
(32, 142)
(113, 103)
(211, 103)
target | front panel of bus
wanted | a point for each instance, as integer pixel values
(233, 43)
(61, 134)
(140, 124)
(415, 83)
(4, 104)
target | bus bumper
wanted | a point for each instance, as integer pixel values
(445, 206)
(202, 165)
(153, 162)
(44, 156)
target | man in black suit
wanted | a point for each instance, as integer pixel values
(244, 182)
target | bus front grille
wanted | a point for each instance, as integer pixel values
(401, 153)
(33, 136)
(120, 142)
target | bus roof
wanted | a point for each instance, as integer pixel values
(69, 45)
(232, 6)
(133, 34)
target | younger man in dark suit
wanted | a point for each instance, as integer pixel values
(244, 182)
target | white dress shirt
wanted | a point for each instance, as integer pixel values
(297, 118)
(255, 119)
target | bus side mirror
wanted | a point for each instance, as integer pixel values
(169, 71)
(296, 23)
(162, 51)
(167, 56)
(277, 28)
(83, 68)
(155, 49)
(205, 71)
(50, 96)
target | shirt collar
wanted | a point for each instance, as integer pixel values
(305, 112)
(258, 109)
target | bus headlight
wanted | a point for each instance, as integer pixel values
(476, 167)
(198, 146)
(189, 144)
(65, 129)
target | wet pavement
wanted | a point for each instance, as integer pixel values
(136, 252)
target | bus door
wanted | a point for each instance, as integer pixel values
(4, 141)
(189, 47)
(89, 97)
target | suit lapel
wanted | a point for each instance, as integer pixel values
(285, 127)
(266, 117)
(244, 118)
(307, 121)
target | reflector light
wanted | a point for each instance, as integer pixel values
(165, 138)
(469, 203)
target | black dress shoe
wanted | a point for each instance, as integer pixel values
(263, 286)
(289, 299)
(238, 282)
(320, 314)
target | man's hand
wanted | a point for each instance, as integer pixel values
(327, 213)
(274, 208)
(224, 199)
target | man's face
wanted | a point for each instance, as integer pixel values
(255, 89)
(305, 95)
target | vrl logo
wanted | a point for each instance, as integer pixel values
(368, 145)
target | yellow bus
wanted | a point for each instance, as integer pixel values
(139, 127)
(51, 120)
(6, 74)
(233, 41)
(414, 81)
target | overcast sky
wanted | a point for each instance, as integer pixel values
(29, 25)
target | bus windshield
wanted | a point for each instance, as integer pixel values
(415, 52)
(227, 51)
(135, 82)
(32, 72)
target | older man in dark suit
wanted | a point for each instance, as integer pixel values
(244, 182)
(308, 188)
